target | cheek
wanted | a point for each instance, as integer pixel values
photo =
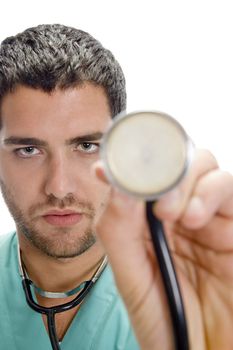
(18, 184)
(22, 189)
(20, 195)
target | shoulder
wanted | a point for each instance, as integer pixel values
(6, 238)
(7, 244)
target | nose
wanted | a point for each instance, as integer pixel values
(59, 178)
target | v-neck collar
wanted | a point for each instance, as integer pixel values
(27, 330)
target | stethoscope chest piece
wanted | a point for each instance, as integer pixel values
(146, 153)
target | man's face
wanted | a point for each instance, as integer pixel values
(48, 143)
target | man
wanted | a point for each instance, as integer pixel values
(50, 133)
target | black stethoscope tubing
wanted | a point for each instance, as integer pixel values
(51, 311)
(58, 308)
(169, 278)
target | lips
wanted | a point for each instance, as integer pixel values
(62, 218)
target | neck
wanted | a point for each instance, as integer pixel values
(58, 275)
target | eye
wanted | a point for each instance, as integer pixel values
(88, 147)
(27, 152)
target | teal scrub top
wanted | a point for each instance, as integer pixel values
(101, 323)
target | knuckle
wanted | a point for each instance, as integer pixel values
(204, 160)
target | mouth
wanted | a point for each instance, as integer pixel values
(62, 217)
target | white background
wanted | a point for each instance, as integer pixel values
(176, 54)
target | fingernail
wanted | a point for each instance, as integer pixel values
(195, 208)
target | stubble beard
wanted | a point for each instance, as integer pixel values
(67, 244)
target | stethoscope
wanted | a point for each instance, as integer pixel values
(146, 154)
(50, 312)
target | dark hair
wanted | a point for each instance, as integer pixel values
(56, 56)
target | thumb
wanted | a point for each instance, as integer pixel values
(123, 232)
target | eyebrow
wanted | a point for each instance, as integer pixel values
(89, 137)
(15, 140)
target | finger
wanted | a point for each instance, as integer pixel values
(121, 230)
(212, 195)
(172, 205)
(216, 236)
(117, 197)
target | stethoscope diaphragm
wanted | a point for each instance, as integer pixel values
(146, 153)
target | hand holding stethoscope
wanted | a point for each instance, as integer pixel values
(198, 220)
(146, 154)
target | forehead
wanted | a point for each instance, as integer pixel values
(82, 109)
